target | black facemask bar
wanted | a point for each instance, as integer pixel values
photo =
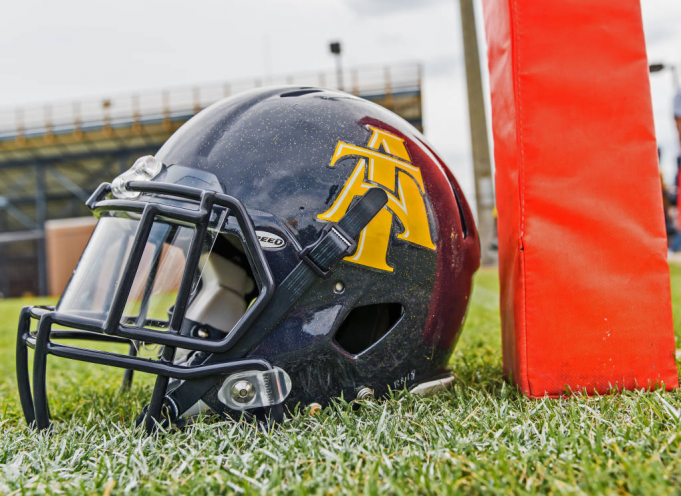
(337, 241)
(112, 330)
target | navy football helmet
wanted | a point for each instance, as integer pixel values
(285, 246)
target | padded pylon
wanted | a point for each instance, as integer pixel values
(585, 296)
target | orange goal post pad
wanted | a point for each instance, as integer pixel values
(585, 296)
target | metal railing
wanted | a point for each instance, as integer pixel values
(180, 102)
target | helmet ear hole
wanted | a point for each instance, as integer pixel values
(366, 325)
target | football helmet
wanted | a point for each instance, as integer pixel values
(285, 246)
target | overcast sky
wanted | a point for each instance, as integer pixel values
(75, 49)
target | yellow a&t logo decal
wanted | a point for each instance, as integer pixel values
(401, 180)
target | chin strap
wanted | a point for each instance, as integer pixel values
(337, 241)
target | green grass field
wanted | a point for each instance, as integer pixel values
(480, 437)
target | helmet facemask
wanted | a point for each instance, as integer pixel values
(149, 288)
(151, 291)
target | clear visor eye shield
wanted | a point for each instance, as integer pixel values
(142, 224)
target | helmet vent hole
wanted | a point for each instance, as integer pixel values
(364, 326)
(300, 92)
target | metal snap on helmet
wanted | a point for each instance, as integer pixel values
(285, 246)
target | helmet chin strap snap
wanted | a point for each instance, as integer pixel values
(255, 389)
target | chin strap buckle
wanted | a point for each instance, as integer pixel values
(333, 238)
(255, 389)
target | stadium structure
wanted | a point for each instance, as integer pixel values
(53, 156)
